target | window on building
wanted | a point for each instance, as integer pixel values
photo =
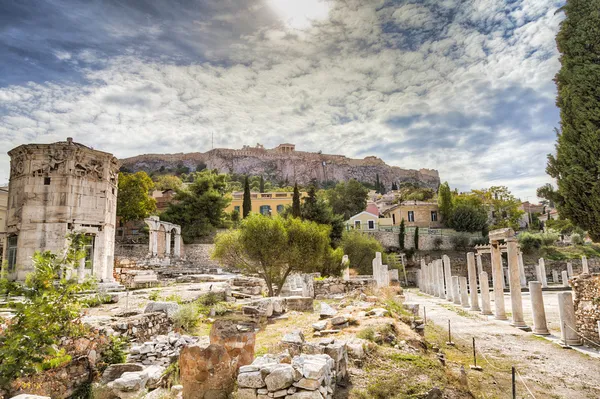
(411, 216)
(237, 208)
(357, 224)
(46, 181)
(434, 216)
(11, 253)
(280, 209)
(265, 210)
(371, 224)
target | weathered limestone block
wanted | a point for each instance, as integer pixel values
(237, 339)
(169, 308)
(206, 373)
(115, 371)
(299, 304)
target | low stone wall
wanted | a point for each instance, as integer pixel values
(336, 286)
(142, 327)
(199, 255)
(587, 305)
(427, 242)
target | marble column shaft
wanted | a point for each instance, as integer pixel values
(584, 265)
(464, 294)
(522, 270)
(472, 270)
(500, 311)
(540, 327)
(455, 290)
(570, 269)
(565, 279)
(555, 279)
(516, 299)
(542, 268)
(484, 285)
(447, 276)
(568, 329)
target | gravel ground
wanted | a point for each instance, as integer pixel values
(549, 370)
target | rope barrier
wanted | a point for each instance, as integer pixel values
(581, 336)
(523, 381)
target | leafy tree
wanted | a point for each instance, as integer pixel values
(504, 206)
(318, 210)
(200, 208)
(468, 214)
(200, 166)
(168, 182)
(402, 235)
(575, 166)
(417, 238)
(296, 211)
(133, 201)
(247, 201)
(181, 169)
(394, 186)
(361, 249)
(49, 310)
(445, 201)
(273, 247)
(347, 198)
(551, 196)
(377, 183)
(262, 185)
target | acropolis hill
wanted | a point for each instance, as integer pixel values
(284, 163)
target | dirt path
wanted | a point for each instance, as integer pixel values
(549, 370)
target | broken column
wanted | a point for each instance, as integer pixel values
(471, 269)
(565, 279)
(440, 278)
(484, 284)
(584, 265)
(540, 326)
(570, 269)
(555, 276)
(479, 265)
(500, 312)
(516, 299)
(568, 332)
(522, 270)
(455, 290)
(447, 277)
(464, 294)
(346, 267)
(542, 273)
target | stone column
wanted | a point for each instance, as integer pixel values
(516, 300)
(178, 245)
(555, 276)
(479, 265)
(428, 278)
(455, 290)
(522, 270)
(471, 269)
(440, 274)
(168, 244)
(544, 279)
(447, 277)
(503, 274)
(346, 266)
(565, 279)
(81, 270)
(485, 293)
(500, 311)
(584, 265)
(570, 269)
(568, 329)
(419, 280)
(537, 306)
(464, 294)
(153, 242)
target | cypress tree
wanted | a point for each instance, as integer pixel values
(377, 183)
(575, 166)
(262, 185)
(402, 235)
(445, 201)
(247, 203)
(296, 211)
(417, 238)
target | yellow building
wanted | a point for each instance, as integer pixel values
(416, 214)
(264, 203)
(3, 210)
(366, 221)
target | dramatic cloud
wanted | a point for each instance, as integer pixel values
(462, 86)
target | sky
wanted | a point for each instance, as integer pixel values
(462, 86)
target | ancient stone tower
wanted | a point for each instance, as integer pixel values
(57, 189)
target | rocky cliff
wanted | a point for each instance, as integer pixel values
(287, 165)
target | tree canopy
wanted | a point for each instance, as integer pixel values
(445, 200)
(247, 201)
(361, 249)
(347, 198)
(468, 214)
(199, 209)
(503, 205)
(273, 247)
(133, 200)
(168, 182)
(575, 165)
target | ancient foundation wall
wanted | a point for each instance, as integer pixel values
(587, 305)
(334, 286)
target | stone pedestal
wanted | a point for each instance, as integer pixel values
(447, 277)
(522, 270)
(570, 269)
(455, 290)
(464, 294)
(471, 269)
(500, 311)
(584, 265)
(484, 285)
(540, 326)
(555, 279)
(516, 299)
(568, 329)
(542, 271)
(565, 279)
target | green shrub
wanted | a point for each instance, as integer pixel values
(460, 241)
(154, 295)
(437, 243)
(576, 239)
(480, 241)
(114, 353)
(529, 242)
(548, 239)
(97, 300)
(186, 317)
(174, 298)
(210, 298)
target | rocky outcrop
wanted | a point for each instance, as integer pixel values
(294, 166)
